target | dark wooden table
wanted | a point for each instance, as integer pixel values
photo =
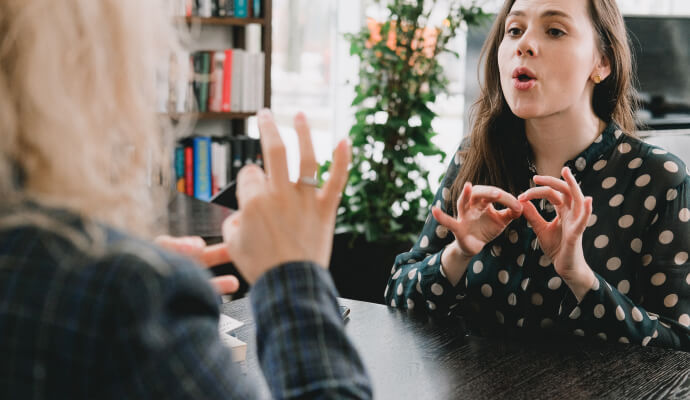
(410, 357)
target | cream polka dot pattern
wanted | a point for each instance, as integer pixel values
(681, 258)
(620, 314)
(601, 241)
(503, 276)
(684, 215)
(613, 263)
(671, 167)
(487, 291)
(635, 163)
(477, 267)
(650, 203)
(643, 180)
(436, 289)
(666, 237)
(555, 283)
(636, 314)
(623, 286)
(671, 300)
(616, 200)
(658, 279)
(636, 245)
(410, 304)
(626, 221)
(608, 183)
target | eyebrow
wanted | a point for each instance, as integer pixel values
(547, 13)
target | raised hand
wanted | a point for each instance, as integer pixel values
(478, 222)
(561, 239)
(208, 256)
(279, 221)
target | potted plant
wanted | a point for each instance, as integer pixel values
(386, 200)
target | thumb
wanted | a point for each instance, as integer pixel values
(533, 217)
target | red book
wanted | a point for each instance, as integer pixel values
(227, 80)
(189, 170)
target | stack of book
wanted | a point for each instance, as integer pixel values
(218, 8)
(213, 81)
(205, 165)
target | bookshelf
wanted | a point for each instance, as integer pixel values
(227, 53)
(237, 30)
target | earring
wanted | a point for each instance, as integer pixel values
(597, 79)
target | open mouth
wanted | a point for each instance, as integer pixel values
(524, 78)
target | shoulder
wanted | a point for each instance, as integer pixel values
(81, 259)
(665, 169)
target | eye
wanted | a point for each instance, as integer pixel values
(554, 32)
(514, 31)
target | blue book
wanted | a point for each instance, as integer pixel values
(179, 168)
(257, 9)
(202, 168)
(241, 8)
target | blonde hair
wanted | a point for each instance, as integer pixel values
(77, 106)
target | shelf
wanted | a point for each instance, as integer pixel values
(214, 115)
(229, 21)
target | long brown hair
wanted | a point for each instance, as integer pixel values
(497, 153)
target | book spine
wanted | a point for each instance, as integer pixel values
(237, 158)
(237, 84)
(205, 9)
(256, 8)
(222, 8)
(215, 97)
(229, 8)
(202, 168)
(189, 170)
(179, 169)
(204, 77)
(215, 158)
(182, 73)
(227, 81)
(241, 8)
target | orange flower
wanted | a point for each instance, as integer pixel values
(427, 36)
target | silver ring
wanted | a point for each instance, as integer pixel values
(309, 181)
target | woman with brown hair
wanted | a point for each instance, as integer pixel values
(602, 252)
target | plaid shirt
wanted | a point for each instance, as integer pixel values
(87, 312)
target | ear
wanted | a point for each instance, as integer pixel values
(602, 67)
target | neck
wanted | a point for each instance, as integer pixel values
(558, 138)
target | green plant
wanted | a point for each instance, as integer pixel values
(387, 195)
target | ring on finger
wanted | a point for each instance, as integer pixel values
(308, 181)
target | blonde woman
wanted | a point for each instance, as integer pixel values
(91, 309)
(517, 251)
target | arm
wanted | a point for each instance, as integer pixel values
(417, 280)
(301, 344)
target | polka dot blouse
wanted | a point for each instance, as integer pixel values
(637, 243)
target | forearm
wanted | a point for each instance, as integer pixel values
(301, 342)
(454, 262)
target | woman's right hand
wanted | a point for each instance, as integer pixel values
(477, 223)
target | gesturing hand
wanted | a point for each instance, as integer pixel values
(561, 239)
(279, 221)
(208, 256)
(478, 222)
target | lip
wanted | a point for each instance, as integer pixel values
(519, 85)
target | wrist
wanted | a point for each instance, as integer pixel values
(582, 282)
(454, 262)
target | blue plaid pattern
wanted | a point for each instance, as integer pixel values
(88, 312)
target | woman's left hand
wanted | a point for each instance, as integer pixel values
(561, 239)
(209, 256)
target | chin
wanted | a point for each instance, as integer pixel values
(526, 111)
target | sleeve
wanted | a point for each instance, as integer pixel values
(301, 342)
(164, 340)
(662, 316)
(417, 280)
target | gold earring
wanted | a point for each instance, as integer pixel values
(597, 79)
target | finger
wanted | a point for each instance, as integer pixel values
(507, 215)
(333, 188)
(215, 255)
(191, 246)
(273, 150)
(226, 284)
(532, 216)
(557, 185)
(307, 163)
(463, 203)
(542, 192)
(581, 223)
(251, 182)
(444, 219)
(230, 229)
(575, 191)
(489, 194)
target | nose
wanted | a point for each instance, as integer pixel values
(526, 46)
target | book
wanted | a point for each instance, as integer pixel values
(189, 169)
(179, 168)
(203, 78)
(256, 9)
(227, 81)
(237, 73)
(226, 326)
(215, 95)
(241, 8)
(202, 168)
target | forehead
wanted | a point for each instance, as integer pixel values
(576, 9)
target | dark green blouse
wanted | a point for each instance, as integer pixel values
(637, 243)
